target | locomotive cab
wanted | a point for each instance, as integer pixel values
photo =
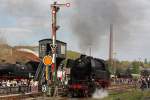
(46, 49)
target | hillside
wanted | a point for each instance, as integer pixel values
(6, 53)
(27, 47)
(12, 55)
(72, 54)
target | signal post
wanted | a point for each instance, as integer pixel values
(54, 9)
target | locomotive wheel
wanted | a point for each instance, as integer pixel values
(75, 93)
(70, 95)
(50, 91)
(92, 88)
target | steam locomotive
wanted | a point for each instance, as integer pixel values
(17, 71)
(87, 74)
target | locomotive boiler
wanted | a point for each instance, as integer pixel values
(16, 71)
(87, 74)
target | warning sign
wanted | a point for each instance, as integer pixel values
(47, 60)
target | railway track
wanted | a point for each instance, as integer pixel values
(32, 96)
(20, 96)
(120, 88)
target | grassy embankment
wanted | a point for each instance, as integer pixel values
(72, 54)
(130, 95)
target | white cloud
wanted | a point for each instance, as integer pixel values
(17, 35)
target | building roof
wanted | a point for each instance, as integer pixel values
(51, 40)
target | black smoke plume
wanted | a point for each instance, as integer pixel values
(92, 20)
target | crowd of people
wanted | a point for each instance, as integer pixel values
(141, 82)
(144, 82)
(21, 82)
(118, 81)
(21, 85)
(31, 86)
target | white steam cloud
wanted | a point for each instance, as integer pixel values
(100, 93)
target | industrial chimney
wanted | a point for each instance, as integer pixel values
(111, 45)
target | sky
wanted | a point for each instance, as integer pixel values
(25, 22)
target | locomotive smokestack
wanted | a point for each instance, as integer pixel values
(90, 51)
(111, 44)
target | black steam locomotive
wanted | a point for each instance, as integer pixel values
(87, 74)
(17, 71)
